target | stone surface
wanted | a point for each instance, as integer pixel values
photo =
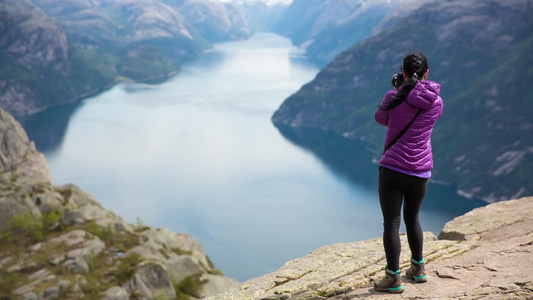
(496, 264)
(150, 280)
(115, 293)
(51, 293)
(218, 284)
(473, 224)
(183, 267)
(85, 207)
(76, 247)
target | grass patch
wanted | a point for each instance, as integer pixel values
(122, 241)
(179, 251)
(190, 286)
(25, 228)
(8, 283)
(127, 267)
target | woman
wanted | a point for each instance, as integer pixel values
(406, 165)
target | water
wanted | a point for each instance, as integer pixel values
(198, 154)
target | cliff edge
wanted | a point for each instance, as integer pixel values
(59, 242)
(484, 254)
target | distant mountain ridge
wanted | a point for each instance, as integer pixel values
(480, 51)
(325, 28)
(59, 51)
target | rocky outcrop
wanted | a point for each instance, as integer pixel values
(59, 242)
(17, 153)
(490, 245)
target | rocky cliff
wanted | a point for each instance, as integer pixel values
(59, 242)
(31, 44)
(480, 53)
(59, 51)
(484, 254)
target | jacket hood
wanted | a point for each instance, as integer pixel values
(424, 94)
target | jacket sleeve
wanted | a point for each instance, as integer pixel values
(441, 106)
(382, 116)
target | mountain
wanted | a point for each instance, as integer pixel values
(325, 28)
(263, 15)
(132, 38)
(59, 51)
(216, 21)
(38, 65)
(480, 52)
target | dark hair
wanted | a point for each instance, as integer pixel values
(397, 80)
(415, 65)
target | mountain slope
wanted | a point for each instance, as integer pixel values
(216, 21)
(59, 51)
(38, 66)
(480, 52)
(325, 28)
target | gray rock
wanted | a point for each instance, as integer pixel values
(308, 296)
(218, 284)
(180, 241)
(472, 225)
(82, 245)
(39, 274)
(76, 265)
(150, 249)
(51, 293)
(115, 293)
(64, 285)
(74, 217)
(17, 153)
(5, 261)
(14, 205)
(150, 280)
(183, 267)
(77, 196)
(30, 296)
(46, 198)
(85, 207)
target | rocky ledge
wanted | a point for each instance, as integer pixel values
(59, 242)
(484, 254)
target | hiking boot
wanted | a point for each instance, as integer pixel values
(390, 283)
(417, 271)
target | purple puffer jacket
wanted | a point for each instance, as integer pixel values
(413, 151)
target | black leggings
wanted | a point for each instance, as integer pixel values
(395, 188)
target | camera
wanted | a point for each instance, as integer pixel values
(397, 80)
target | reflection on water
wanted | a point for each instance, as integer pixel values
(47, 129)
(198, 154)
(348, 160)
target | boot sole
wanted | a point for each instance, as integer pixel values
(389, 290)
(417, 280)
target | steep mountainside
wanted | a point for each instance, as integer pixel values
(58, 51)
(37, 64)
(325, 28)
(216, 21)
(480, 51)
